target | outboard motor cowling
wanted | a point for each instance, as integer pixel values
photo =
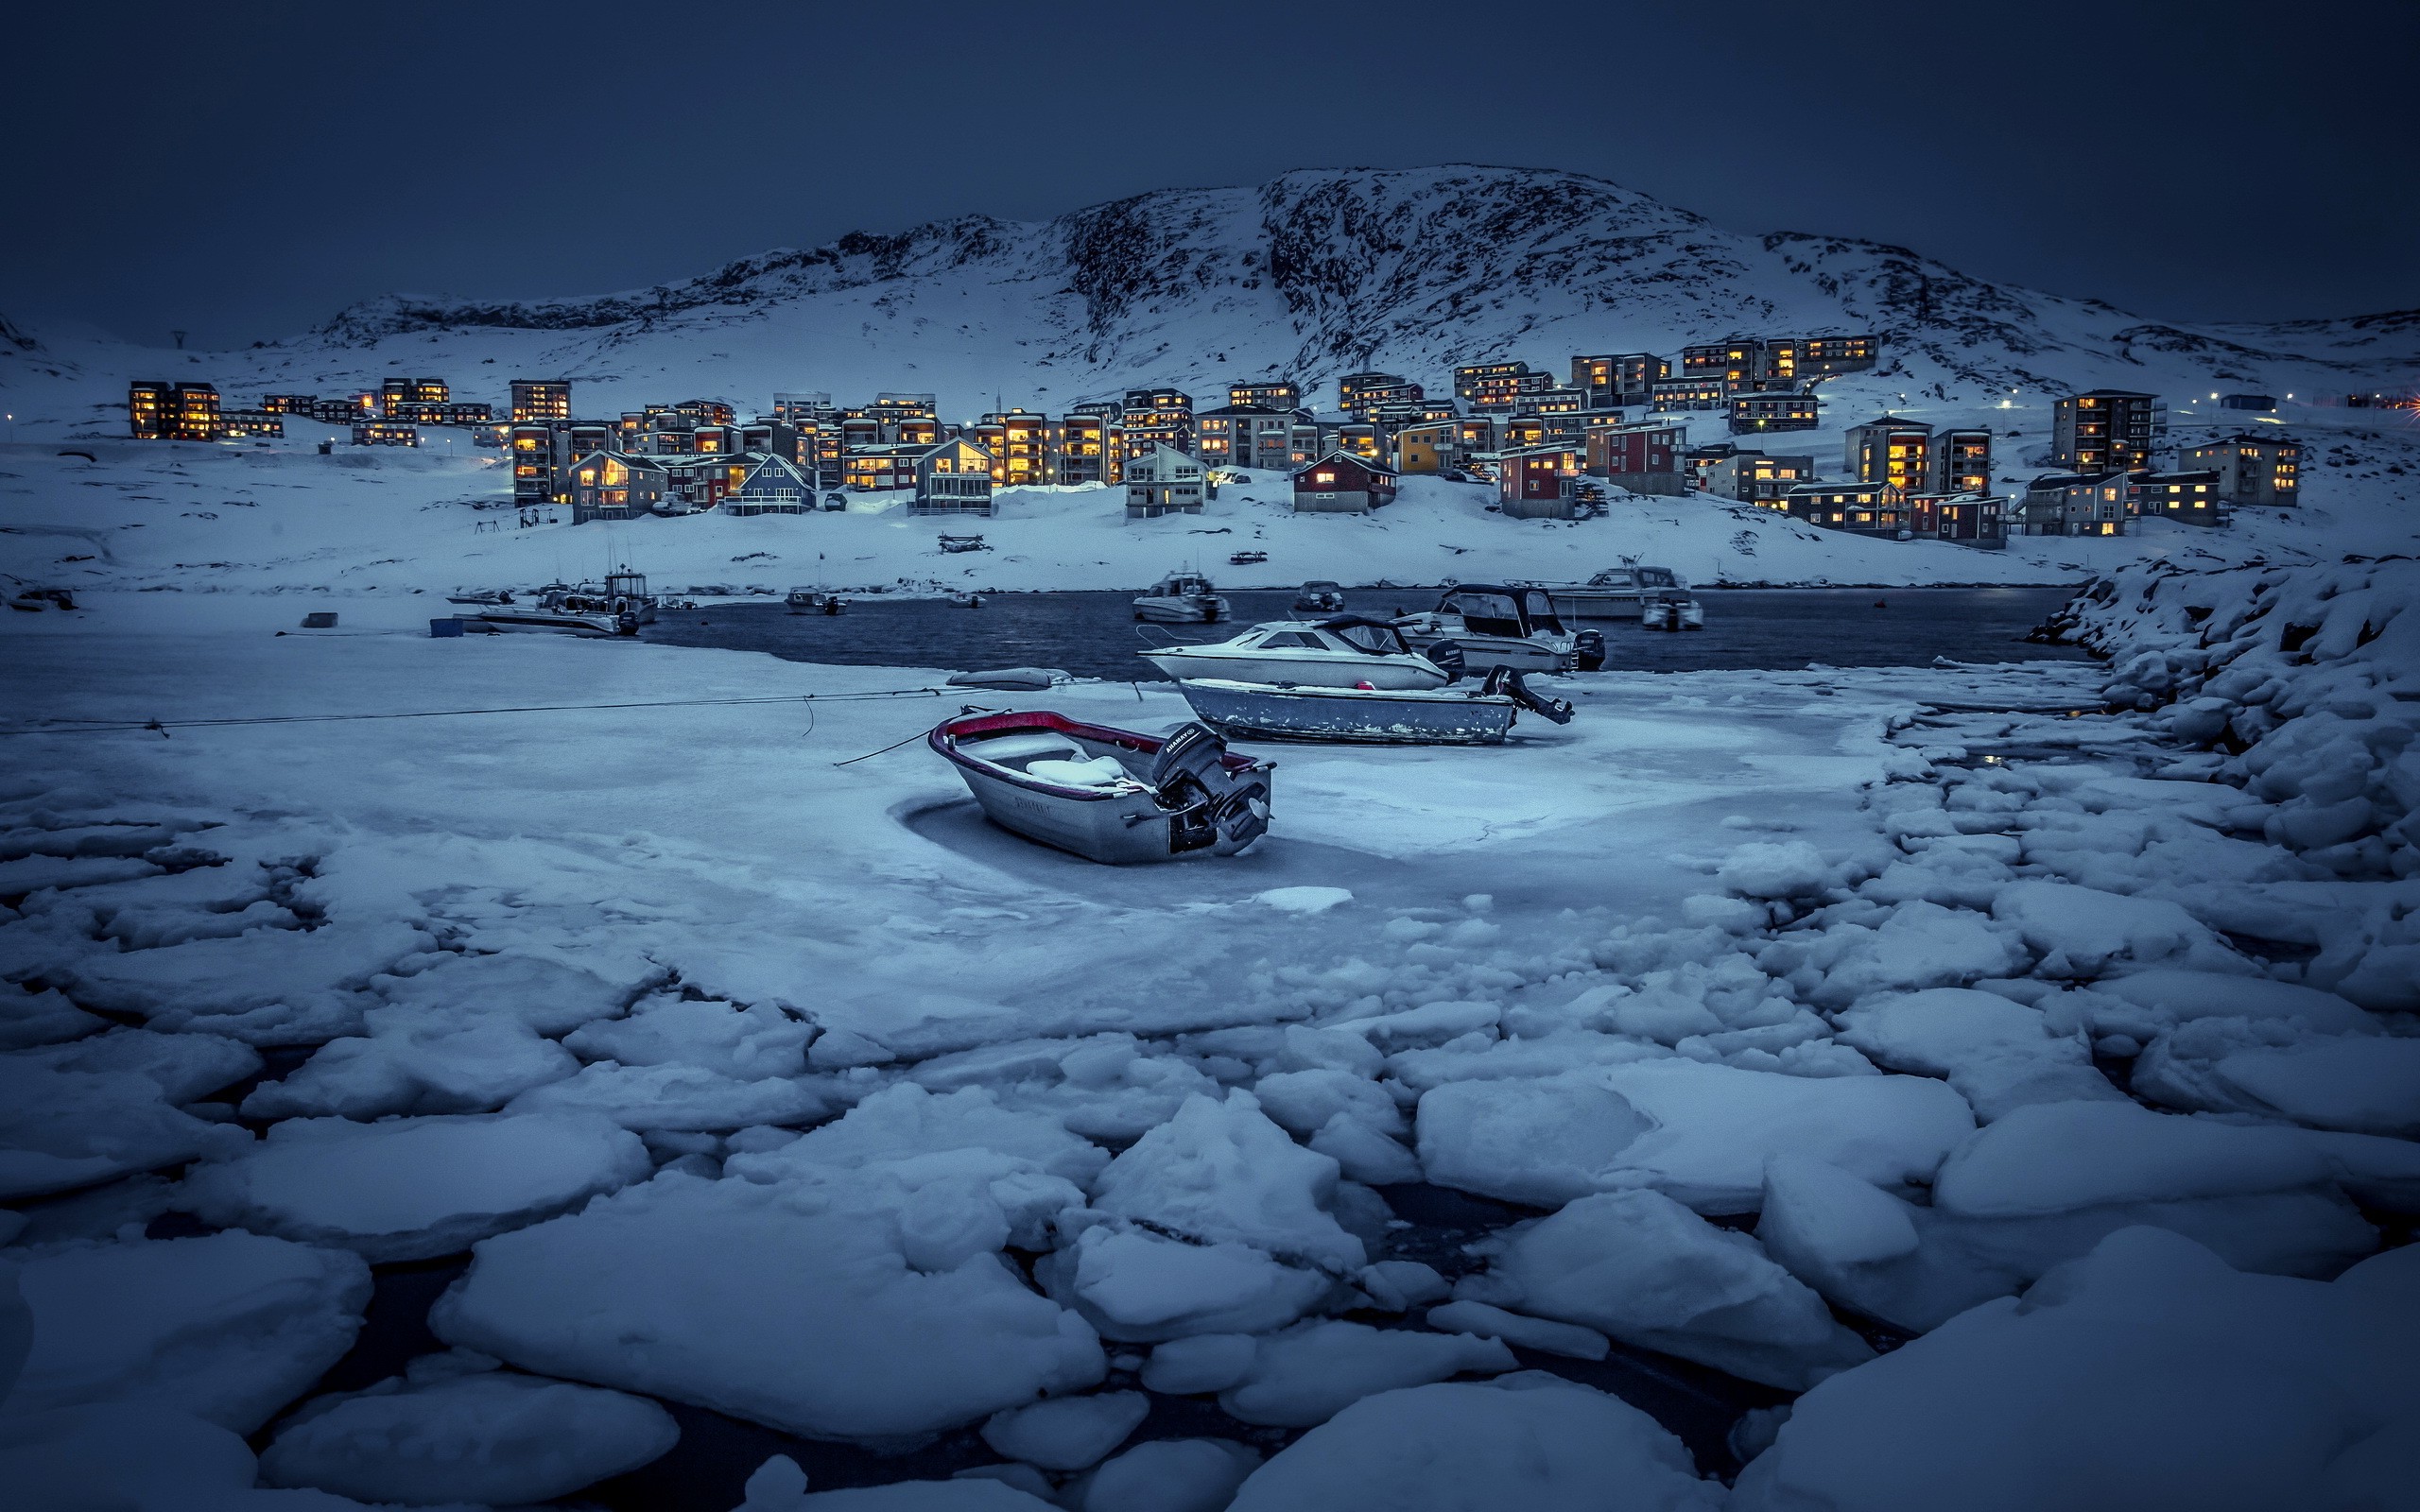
(1589, 649)
(1448, 657)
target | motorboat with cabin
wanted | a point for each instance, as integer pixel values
(813, 601)
(1482, 716)
(1114, 796)
(561, 608)
(1616, 594)
(1674, 608)
(1497, 625)
(1319, 597)
(1182, 598)
(1348, 651)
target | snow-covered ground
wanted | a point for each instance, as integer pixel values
(2016, 1096)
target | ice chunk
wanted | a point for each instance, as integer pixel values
(1222, 1171)
(417, 1061)
(789, 1304)
(116, 1455)
(1172, 1476)
(410, 1189)
(2174, 996)
(744, 1044)
(42, 1018)
(269, 987)
(2146, 1374)
(186, 1065)
(904, 1121)
(2083, 930)
(1528, 1332)
(492, 1437)
(551, 997)
(1301, 1102)
(1304, 899)
(2359, 1084)
(1205, 1362)
(1777, 870)
(1642, 1268)
(1068, 1432)
(1701, 1133)
(1364, 1154)
(1452, 1446)
(1998, 1055)
(1310, 1372)
(229, 1327)
(1399, 1286)
(969, 1494)
(65, 1129)
(1141, 1287)
(677, 1097)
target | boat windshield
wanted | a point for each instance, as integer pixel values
(1378, 640)
(1657, 578)
(1613, 577)
(1488, 613)
(1182, 586)
(1539, 609)
(1319, 585)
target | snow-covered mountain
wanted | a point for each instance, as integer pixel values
(1310, 275)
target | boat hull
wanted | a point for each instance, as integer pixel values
(1265, 711)
(1180, 611)
(1595, 603)
(1481, 652)
(1128, 827)
(1391, 672)
(599, 627)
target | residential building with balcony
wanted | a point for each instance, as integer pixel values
(1343, 483)
(2105, 430)
(772, 485)
(606, 485)
(953, 477)
(1754, 414)
(1962, 461)
(1642, 457)
(1246, 436)
(1424, 449)
(1020, 442)
(1538, 483)
(243, 424)
(1272, 393)
(1163, 481)
(1859, 509)
(1091, 446)
(173, 412)
(1474, 378)
(2070, 503)
(397, 395)
(2189, 497)
(1688, 392)
(1157, 417)
(384, 433)
(1897, 452)
(1618, 380)
(2253, 469)
(1969, 519)
(1504, 387)
(541, 399)
(1753, 477)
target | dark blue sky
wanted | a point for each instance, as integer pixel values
(243, 171)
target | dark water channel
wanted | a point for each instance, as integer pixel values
(1094, 634)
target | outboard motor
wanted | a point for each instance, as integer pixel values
(1191, 780)
(1589, 648)
(1508, 683)
(1448, 657)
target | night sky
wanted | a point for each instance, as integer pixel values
(242, 171)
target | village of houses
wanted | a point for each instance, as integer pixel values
(1616, 429)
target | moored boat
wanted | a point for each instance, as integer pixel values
(1109, 795)
(1319, 597)
(813, 601)
(560, 609)
(1182, 598)
(1674, 608)
(1436, 717)
(1495, 625)
(1345, 652)
(1616, 594)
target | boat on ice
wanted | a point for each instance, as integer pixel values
(1319, 597)
(1495, 625)
(1674, 608)
(1616, 594)
(1109, 795)
(813, 601)
(560, 609)
(1349, 651)
(1182, 598)
(1433, 716)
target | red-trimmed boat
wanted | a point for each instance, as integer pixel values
(1109, 795)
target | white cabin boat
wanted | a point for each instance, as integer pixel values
(1182, 598)
(1345, 652)
(1616, 594)
(1495, 625)
(560, 609)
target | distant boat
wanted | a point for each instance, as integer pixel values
(1616, 594)
(1345, 652)
(1497, 625)
(1109, 795)
(1247, 558)
(561, 609)
(1436, 717)
(1182, 598)
(1319, 597)
(1674, 608)
(813, 601)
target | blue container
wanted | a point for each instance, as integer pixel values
(445, 629)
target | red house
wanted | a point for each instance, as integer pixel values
(1643, 458)
(1541, 483)
(1341, 483)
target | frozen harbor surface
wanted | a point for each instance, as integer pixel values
(1890, 1080)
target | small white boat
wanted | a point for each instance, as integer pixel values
(1319, 597)
(1182, 598)
(1431, 717)
(1495, 625)
(1109, 795)
(1675, 609)
(626, 591)
(1345, 652)
(560, 609)
(1616, 594)
(813, 601)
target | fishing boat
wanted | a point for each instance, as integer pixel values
(1182, 598)
(1319, 597)
(1247, 558)
(1109, 795)
(626, 591)
(1616, 594)
(813, 601)
(1435, 716)
(1674, 608)
(1494, 625)
(560, 609)
(1348, 651)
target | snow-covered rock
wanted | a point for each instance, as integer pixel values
(408, 1189)
(1699, 1133)
(1310, 1372)
(791, 1304)
(229, 1327)
(1640, 1267)
(1529, 1444)
(2146, 1374)
(489, 1437)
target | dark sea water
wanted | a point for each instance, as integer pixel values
(1094, 634)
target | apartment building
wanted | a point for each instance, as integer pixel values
(1163, 481)
(1897, 452)
(2105, 430)
(1538, 483)
(541, 399)
(1754, 477)
(1643, 458)
(2253, 469)
(1157, 417)
(1754, 414)
(1618, 380)
(1962, 461)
